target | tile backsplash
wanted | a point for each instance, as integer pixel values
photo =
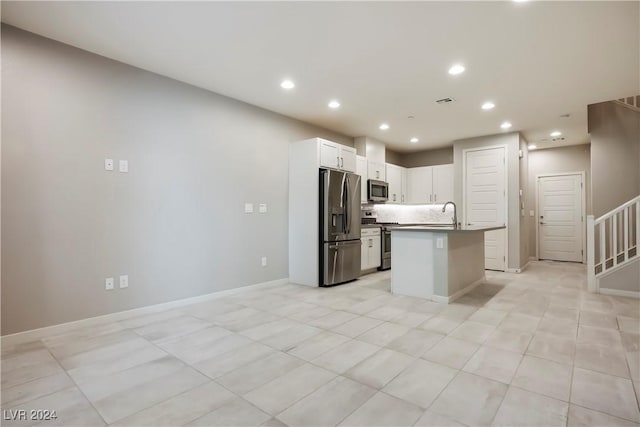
(410, 214)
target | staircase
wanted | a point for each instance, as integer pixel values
(631, 102)
(612, 244)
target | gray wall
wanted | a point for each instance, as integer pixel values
(512, 141)
(573, 158)
(525, 242)
(393, 157)
(615, 155)
(440, 156)
(174, 223)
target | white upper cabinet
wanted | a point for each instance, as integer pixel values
(430, 184)
(337, 156)
(394, 179)
(347, 158)
(404, 198)
(420, 185)
(442, 184)
(376, 171)
(361, 169)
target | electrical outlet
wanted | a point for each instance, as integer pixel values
(108, 164)
(124, 281)
(124, 165)
(108, 283)
(248, 208)
(262, 208)
(264, 261)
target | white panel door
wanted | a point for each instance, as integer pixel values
(348, 159)
(329, 155)
(485, 201)
(420, 186)
(394, 178)
(442, 183)
(560, 217)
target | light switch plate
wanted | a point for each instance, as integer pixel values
(124, 165)
(108, 164)
(248, 208)
(532, 213)
(124, 281)
(439, 243)
(108, 283)
(264, 261)
(262, 208)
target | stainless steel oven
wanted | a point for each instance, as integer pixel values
(385, 248)
(377, 191)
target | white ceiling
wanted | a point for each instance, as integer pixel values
(384, 61)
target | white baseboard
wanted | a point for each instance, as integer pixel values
(533, 258)
(619, 293)
(35, 334)
(451, 298)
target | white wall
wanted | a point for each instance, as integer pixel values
(174, 223)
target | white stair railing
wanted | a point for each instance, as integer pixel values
(612, 240)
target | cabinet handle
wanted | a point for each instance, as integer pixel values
(394, 197)
(370, 243)
(338, 161)
(430, 197)
(435, 197)
(377, 174)
(341, 162)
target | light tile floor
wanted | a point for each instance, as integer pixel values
(522, 349)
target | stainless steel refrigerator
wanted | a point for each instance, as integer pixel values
(339, 227)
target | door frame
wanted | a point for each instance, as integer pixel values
(583, 208)
(506, 192)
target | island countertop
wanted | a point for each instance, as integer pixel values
(444, 228)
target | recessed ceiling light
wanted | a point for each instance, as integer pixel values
(520, 1)
(334, 104)
(532, 147)
(505, 125)
(384, 126)
(488, 105)
(414, 140)
(456, 69)
(287, 84)
(555, 133)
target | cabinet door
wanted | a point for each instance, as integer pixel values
(364, 254)
(403, 186)
(442, 184)
(361, 169)
(394, 178)
(348, 159)
(420, 185)
(329, 155)
(376, 171)
(374, 252)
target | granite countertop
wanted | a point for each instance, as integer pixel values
(445, 228)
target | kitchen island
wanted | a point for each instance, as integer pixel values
(440, 263)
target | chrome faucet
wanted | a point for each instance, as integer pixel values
(455, 213)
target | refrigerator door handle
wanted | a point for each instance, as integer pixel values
(347, 207)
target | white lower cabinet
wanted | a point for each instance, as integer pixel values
(370, 255)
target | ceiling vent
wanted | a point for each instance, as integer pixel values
(445, 101)
(558, 139)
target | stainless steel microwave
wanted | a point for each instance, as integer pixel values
(377, 191)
